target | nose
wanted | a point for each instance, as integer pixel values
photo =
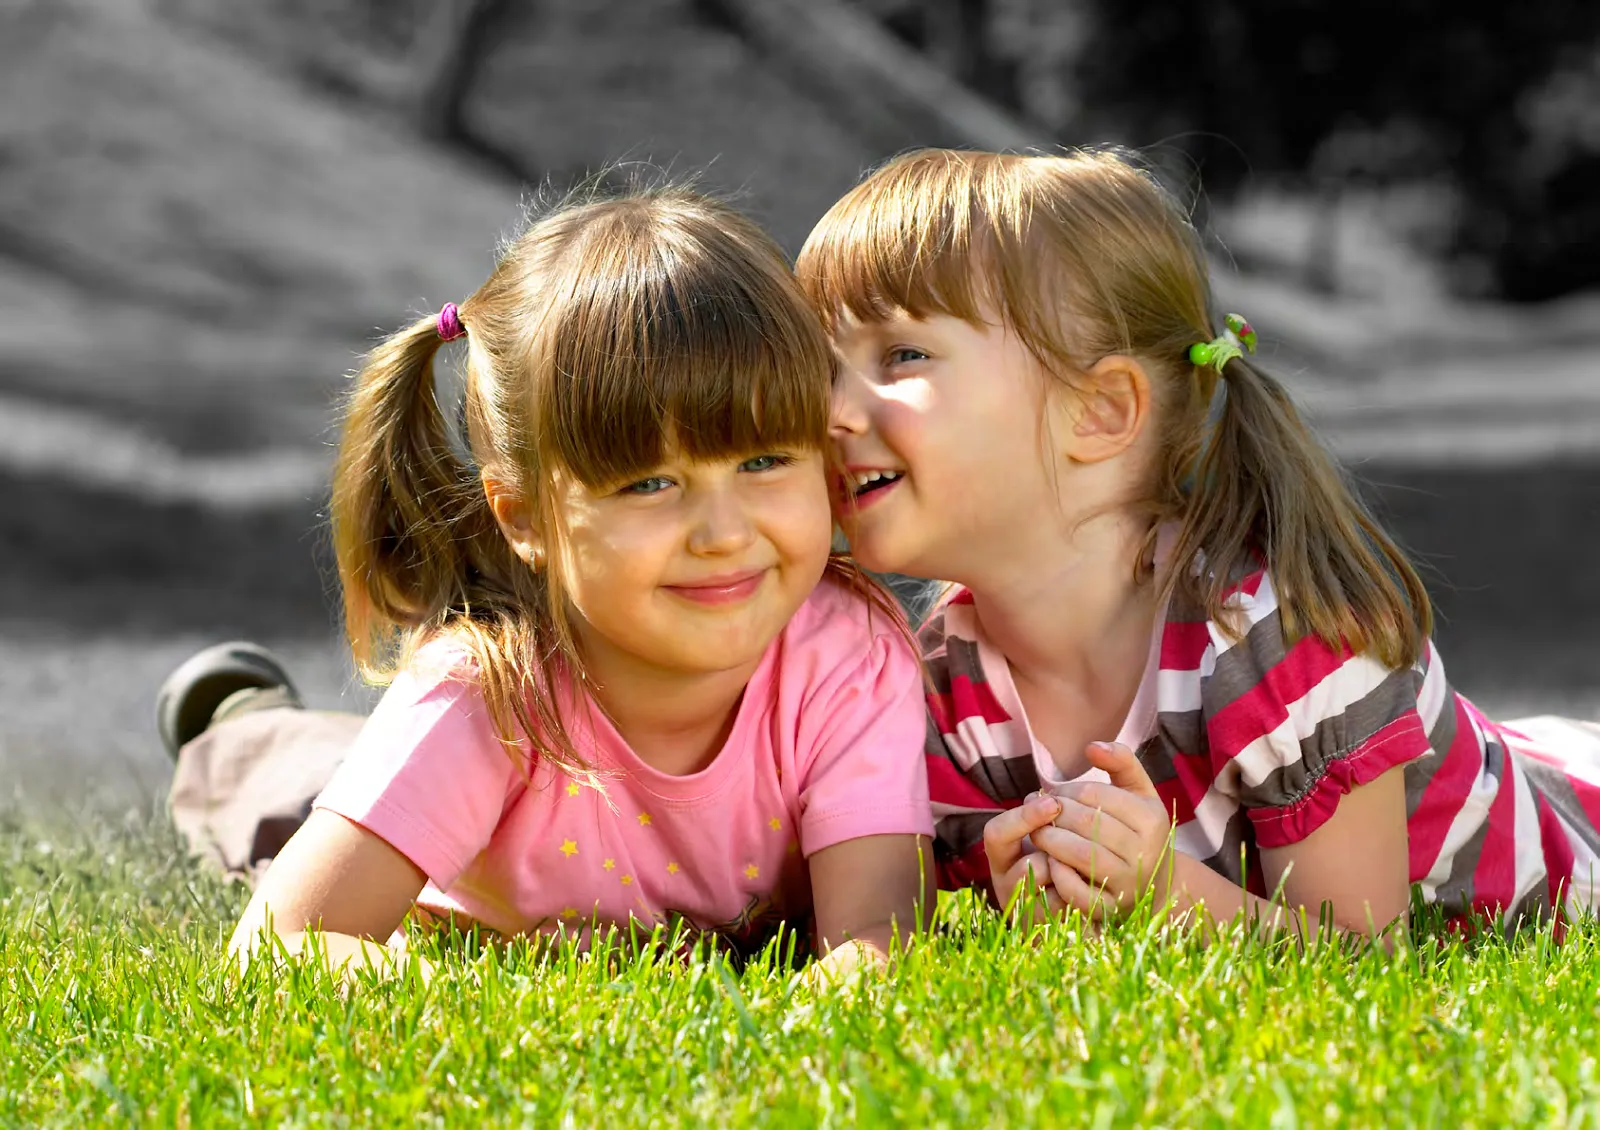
(847, 411)
(722, 525)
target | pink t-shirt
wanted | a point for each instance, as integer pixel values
(826, 746)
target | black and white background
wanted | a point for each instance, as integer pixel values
(209, 211)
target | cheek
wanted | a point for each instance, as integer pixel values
(903, 424)
(609, 560)
(800, 519)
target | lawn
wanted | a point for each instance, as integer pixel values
(118, 1006)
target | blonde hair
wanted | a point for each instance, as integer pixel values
(1085, 255)
(612, 329)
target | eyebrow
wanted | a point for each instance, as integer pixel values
(882, 326)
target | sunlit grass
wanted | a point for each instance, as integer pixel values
(116, 1004)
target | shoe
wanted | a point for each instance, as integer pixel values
(189, 701)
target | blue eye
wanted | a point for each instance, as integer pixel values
(905, 354)
(766, 462)
(655, 484)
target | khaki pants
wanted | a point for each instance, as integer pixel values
(243, 787)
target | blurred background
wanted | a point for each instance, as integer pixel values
(208, 212)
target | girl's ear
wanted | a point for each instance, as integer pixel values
(517, 520)
(1105, 411)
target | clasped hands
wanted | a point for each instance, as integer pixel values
(1092, 845)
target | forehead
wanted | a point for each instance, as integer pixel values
(847, 325)
(851, 331)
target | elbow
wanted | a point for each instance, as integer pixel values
(1382, 926)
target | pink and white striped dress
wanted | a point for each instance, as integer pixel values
(1253, 741)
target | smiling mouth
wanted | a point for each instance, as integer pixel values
(721, 590)
(864, 483)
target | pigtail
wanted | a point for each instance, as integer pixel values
(411, 523)
(1263, 489)
(419, 552)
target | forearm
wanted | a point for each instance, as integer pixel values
(1199, 894)
(344, 954)
(341, 950)
(872, 895)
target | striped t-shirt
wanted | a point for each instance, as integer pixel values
(1252, 741)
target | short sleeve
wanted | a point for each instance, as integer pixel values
(867, 775)
(427, 774)
(1311, 723)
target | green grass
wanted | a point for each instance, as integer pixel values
(116, 1005)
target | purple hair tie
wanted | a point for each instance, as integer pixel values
(449, 323)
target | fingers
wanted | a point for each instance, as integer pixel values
(1131, 809)
(1122, 766)
(1027, 882)
(1101, 826)
(1003, 836)
(1041, 885)
(1029, 887)
(1049, 905)
(1075, 891)
(1095, 861)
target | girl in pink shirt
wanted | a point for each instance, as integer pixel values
(631, 685)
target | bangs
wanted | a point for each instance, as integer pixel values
(676, 337)
(918, 235)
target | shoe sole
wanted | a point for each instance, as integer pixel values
(190, 695)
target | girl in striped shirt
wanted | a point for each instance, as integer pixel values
(1177, 658)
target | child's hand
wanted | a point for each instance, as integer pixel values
(1113, 839)
(1011, 865)
(844, 965)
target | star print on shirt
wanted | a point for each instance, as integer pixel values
(752, 871)
(569, 912)
(609, 864)
(775, 823)
(627, 880)
(672, 869)
(572, 788)
(644, 820)
(569, 848)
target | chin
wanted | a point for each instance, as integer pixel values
(876, 562)
(733, 647)
(878, 554)
(712, 661)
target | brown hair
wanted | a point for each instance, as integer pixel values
(1084, 255)
(613, 328)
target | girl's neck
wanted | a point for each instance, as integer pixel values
(675, 722)
(1074, 608)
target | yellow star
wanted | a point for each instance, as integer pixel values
(569, 848)
(569, 912)
(609, 864)
(627, 880)
(644, 819)
(775, 823)
(672, 869)
(794, 847)
(752, 871)
(572, 788)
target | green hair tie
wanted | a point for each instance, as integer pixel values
(1236, 339)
